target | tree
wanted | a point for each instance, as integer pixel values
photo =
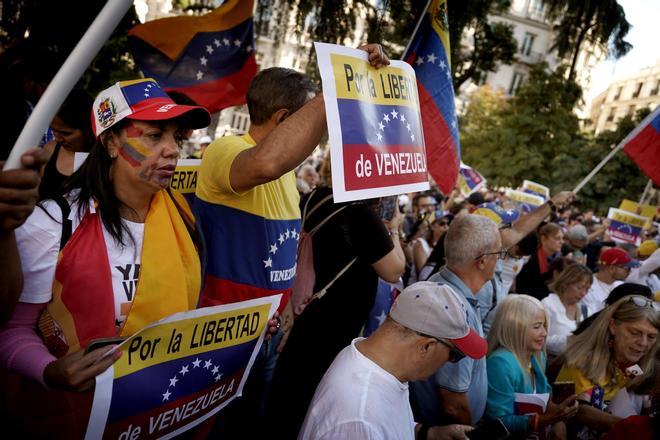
(51, 31)
(620, 178)
(521, 138)
(392, 24)
(598, 22)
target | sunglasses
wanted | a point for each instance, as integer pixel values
(643, 302)
(455, 354)
(501, 254)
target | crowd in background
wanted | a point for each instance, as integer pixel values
(491, 307)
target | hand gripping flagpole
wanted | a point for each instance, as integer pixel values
(66, 78)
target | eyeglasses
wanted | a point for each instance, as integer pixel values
(501, 254)
(455, 354)
(643, 302)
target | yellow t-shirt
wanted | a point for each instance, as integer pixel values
(275, 200)
(584, 385)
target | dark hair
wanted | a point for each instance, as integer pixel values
(75, 111)
(274, 89)
(181, 98)
(92, 180)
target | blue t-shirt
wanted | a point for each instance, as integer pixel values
(466, 376)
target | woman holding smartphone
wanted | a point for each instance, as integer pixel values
(618, 346)
(117, 252)
(516, 367)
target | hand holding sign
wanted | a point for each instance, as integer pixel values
(76, 371)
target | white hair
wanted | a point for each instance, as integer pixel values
(469, 237)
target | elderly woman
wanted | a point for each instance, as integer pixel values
(83, 254)
(620, 344)
(563, 306)
(516, 365)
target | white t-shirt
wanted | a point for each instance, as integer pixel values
(38, 241)
(357, 399)
(510, 268)
(559, 325)
(597, 294)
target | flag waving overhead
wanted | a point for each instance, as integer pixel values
(643, 146)
(428, 53)
(209, 58)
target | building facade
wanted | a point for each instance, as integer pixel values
(624, 97)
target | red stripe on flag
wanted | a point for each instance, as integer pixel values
(644, 150)
(218, 291)
(376, 167)
(222, 92)
(441, 154)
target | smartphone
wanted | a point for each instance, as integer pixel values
(489, 430)
(386, 207)
(99, 343)
(562, 390)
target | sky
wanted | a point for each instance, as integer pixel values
(645, 38)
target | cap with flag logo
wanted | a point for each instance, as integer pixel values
(436, 310)
(142, 99)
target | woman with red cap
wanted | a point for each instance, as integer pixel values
(117, 252)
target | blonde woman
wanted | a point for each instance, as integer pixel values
(563, 306)
(620, 344)
(516, 364)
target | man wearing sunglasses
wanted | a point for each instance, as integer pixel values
(364, 393)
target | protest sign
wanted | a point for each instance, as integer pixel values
(647, 211)
(526, 202)
(536, 188)
(625, 226)
(184, 179)
(374, 125)
(178, 372)
(469, 180)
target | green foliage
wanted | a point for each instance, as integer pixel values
(597, 22)
(52, 30)
(523, 135)
(620, 178)
(535, 135)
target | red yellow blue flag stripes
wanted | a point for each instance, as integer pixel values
(178, 372)
(643, 146)
(428, 53)
(209, 58)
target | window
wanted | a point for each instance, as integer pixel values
(610, 117)
(638, 90)
(517, 79)
(527, 44)
(618, 93)
(655, 89)
(536, 9)
(631, 110)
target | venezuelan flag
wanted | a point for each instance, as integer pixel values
(428, 53)
(209, 58)
(643, 146)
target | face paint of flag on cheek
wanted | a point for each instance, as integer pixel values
(133, 150)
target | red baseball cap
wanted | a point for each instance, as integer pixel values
(142, 99)
(617, 257)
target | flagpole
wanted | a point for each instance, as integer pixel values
(419, 22)
(66, 78)
(621, 144)
(647, 189)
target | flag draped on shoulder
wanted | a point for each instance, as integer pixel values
(428, 53)
(642, 145)
(209, 58)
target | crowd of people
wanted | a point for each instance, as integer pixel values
(505, 321)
